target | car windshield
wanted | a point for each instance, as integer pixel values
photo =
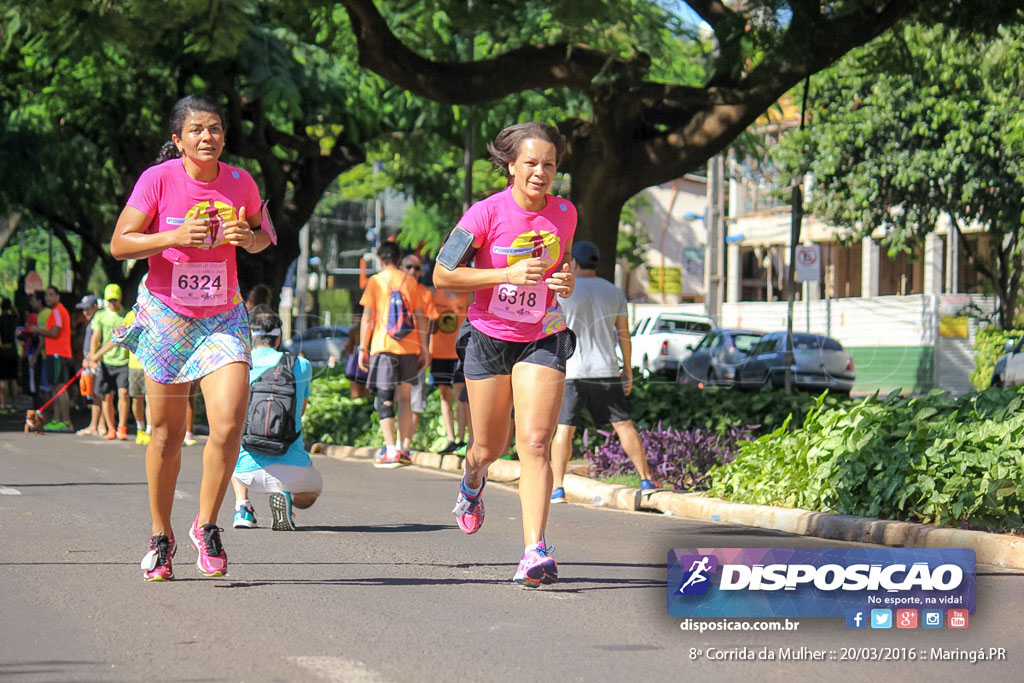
(679, 325)
(745, 342)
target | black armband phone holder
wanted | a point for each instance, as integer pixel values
(457, 249)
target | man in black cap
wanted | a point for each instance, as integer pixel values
(596, 312)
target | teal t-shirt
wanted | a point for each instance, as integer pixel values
(262, 360)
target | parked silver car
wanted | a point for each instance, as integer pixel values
(660, 341)
(716, 358)
(819, 362)
(1009, 368)
(318, 344)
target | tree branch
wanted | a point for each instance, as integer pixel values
(712, 12)
(525, 68)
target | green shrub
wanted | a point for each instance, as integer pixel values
(929, 459)
(332, 417)
(988, 346)
(717, 408)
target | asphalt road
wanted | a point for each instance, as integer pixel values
(380, 585)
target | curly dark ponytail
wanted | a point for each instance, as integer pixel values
(169, 150)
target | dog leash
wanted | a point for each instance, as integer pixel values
(60, 391)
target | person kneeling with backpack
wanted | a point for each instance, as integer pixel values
(272, 458)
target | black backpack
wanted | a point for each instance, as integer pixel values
(270, 419)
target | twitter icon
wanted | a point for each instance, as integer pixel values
(881, 618)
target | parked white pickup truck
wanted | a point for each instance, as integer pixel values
(662, 340)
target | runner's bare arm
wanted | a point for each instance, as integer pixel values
(467, 279)
(243, 233)
(562, 282)
(131, 241)
(626, 344)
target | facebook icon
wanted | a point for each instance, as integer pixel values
(855, 618)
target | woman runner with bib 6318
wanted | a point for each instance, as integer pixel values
(519, 241)
(188, 213)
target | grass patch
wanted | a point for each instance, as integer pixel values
(631, 480)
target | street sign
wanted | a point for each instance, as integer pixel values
(664, 280)
(808, 263)
(693, 260)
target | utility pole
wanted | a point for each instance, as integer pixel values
(797, 202)
(714, 249)
(302, 279)
(469, 141)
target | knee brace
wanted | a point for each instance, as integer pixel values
(384, 402)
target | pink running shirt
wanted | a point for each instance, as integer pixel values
(193, 281)
(508, 234)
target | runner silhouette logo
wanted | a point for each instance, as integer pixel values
(697, 579)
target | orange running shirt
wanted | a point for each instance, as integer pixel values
(61, 344)
(451, 311)
(376, 298)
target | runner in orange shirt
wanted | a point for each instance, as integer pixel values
(393, 347)
(451, 310)
(412, 264)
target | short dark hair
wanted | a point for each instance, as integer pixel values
(263, 322)
(389, 252)
(260, 294)
(505, 148)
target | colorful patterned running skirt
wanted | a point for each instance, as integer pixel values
(175, 349)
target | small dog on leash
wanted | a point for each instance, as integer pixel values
(34, 421)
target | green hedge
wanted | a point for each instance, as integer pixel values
(988, 346)
(332, 417)
(716, 408)
(929, 459)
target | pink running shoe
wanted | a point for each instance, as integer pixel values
(212, 560)
(537, 567)
(469, 509)
(156, 565)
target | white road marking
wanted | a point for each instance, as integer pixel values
(5, 491)
(337, 669)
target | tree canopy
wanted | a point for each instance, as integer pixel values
(85, 109)
(650, 121)
(923, 123)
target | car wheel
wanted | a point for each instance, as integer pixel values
(997, 381)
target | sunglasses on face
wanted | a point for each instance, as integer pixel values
(413, 267)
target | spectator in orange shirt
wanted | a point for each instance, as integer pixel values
(58, 359)
(451, 310)
(413, 265)
(393, 347)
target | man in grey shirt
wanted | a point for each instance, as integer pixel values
(596, 312)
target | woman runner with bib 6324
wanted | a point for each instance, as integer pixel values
(519, 241)
(188, 213)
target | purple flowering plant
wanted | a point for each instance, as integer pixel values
(681, 459)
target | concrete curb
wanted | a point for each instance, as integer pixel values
(994, 549)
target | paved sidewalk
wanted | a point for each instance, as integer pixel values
(1001, 550)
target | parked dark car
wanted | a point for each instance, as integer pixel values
(716, 358)
(1009, 368)
(318, 344)
(819, 362)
